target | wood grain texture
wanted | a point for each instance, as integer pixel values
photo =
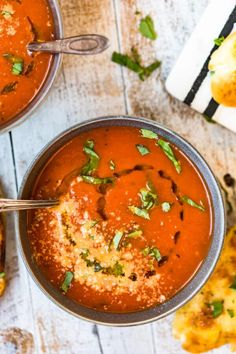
(89, 87)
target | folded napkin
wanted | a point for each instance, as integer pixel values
(189, 81)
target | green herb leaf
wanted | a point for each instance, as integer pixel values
(17, 63)
(67, 281)
(93, 161)
(117, 238)
(134, 64)
(230, 312)
(217, 308)
(97, 180)
(148, 198)
(148, 70)
(152, 252)
(190, 202)
(219, 41)
(145, 133)
(135, 234)
(117, 270)
(143, 213)
(9, 88)
(112, 165)
(2, 275)
(165, 146)
(166, 206)
(126, 61)
(17, 68)
(147, 29)
(6, 14)
(233, 285)
(143, 150)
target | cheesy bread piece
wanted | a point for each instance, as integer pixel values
(223, 68)
(209, 320)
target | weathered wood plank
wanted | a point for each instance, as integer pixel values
(14, 305)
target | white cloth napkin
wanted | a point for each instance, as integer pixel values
(189, 81)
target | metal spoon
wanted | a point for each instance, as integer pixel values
(82, 45)
(16, 204)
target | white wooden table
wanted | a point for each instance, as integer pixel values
(86, 88)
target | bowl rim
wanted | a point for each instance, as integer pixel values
(48, 82)
(198, 279)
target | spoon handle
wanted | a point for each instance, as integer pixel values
(11, 204)
(81, 45)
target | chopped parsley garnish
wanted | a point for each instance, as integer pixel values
(9, 88)
(166, 206)
(97, 180)
(217, 308)
(190, 202)
(135, 66)
(143, 213)
(147, 29)
(219, 41)
(17, 63)
(135, 234)
(143, 150)
(93, 161)
(165, 146)
(117, 239)
(112, 165)
(230, 312)
(145, 133)
(2, 275)
(6, 14)
(233, 285)
(67, 281)
(117, 270)
(152, 252)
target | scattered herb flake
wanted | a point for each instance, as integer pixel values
(165, 146)
(93, 161)
(2, 275)
(17, 63)
(134, 64)
(112, 165)
(145, 133)
(219, 41)
(190, 202)
(230, 312)
(148, 198)
(147, 29)
(135, 234)
(117, 239)
(143, 213)
(97, 180)
(67, 281)
(217, 308)
(143, 150)
(152, 252)
(166, 206)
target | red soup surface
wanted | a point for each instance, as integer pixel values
(133, 224)
(22, 73)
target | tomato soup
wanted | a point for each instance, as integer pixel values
(22, 73)
(133, 224)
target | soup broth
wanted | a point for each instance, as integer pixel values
(134, 220)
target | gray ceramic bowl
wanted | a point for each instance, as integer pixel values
(54, 68)
(183, 295)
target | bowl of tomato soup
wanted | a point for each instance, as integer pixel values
(26, 77)
(139, 225)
